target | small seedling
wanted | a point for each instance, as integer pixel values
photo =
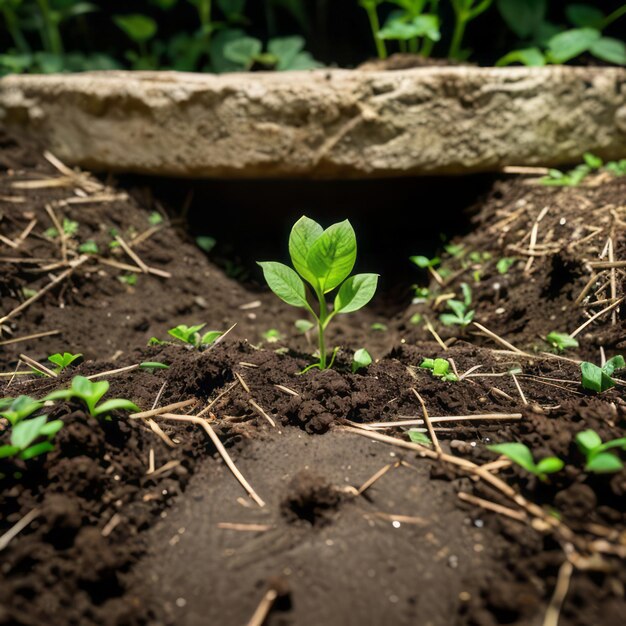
(89, 247)
(505, 264)
(461, 314)
(440, 368)
(522, 456)
(573, 178)
(205, 243)
(63, 360)
(26, 432)
(70, 228)
(424, 262)
(598, 460)
(324, 258)
(416, 319)
(417, 436)
(421, 294)
(16, 409)
(155, 218)
(90, 394)
(191, 335)
(361, 359)
(273, 335)
(600, 379)
(303, 326)
(129, 279)
(379, 327)
(561, 341)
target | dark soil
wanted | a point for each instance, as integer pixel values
(112, 543)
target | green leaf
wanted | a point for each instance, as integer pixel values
(587, 441)
(285, 49)
(421, 26)
(50, 429)
(63, 360)
(89, 247)
(333, 255)
(361, 359)
(153, 365)
(356, 292)
(232, 8)
(304, 234)
(531, 57)
(302, 61)
(303, 326)
(616, 363)
(441, 367)
(550, 465)
(592, 161)
(139, 28)
(7, 451)
(418, 437)
(505, 264)
(114, 405)
(592, 377)
(516, 452)
(523, 17)
(60, 394)
(243, 50)
(186, 334)
(285, 283)
(424, 262)
(205, 243)
(210, 337)
(571, 43)
(615, 443)
(24, 433)
(428, 364)
(561, 341)
(36, 450)
(583, 15)
(604, 463)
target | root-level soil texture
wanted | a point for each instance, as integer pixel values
(121, 527)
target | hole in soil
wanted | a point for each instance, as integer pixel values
(394, 218)
(310, 499)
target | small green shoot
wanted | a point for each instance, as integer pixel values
(155, 218)
(361, 359)
(561, 341)
(24, 435)
(323, 258)
(417, 436)
(416, 319)
(461, 314)
(522, 456)
(63, 360)
(599, 379)
(465, 11)
(505, 264)
(598, 460)
(16, 409)
(424, 262)
(303, 326)
(89, 247)
(440, 369)
(273, 335)
(129, 279)
(205, 243)
(191, 335)
(90, 394)
(379, 327)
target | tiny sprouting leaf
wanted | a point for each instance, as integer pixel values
(49, 429)
(604, 463)
(379, 327)
(113, 405)
(505, 264)
(616, 363)
(155, 218)
(303, 326)
(205, 243)
(594, 162)
(7, 451)
(516, 452)
(138, 27)
(24, 433)
(531, 57)
(424, 262)
(457, 307)
(596, 378)
(153, 365)
(89, 247)
(63, 360)
(210, 337)
(570, 43)
(272, 335)
(285, 283)
(523, 17)
(333, 255)
(418, 437)
(441, 367)
(428, 364)
(304, 234)
(285, 49)
(467, 294)
(587, 441)
(36, 450)
(549, 465)
(186, 334)
(356, 292)
(16, 409)
(361, 359)
(70, 227)
(561, 341)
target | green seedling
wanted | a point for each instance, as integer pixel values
(456, 250)
(304, 326)
(140, 29)
(424, 262)
(461, 314)
(129, 279)
(24, 435)
(561, 341)
(89, 247)
(440, 368)
(522, 456)
(598, 460)
(273, 335)
(600, 379)
(549, 43)
(361, 359)
(70, 228)
(16, 409)
(155, 218)
(417, 436)
(416, 319)
(505, 264)
(617, 168)
(573, 178)
(63, 360)
(191, 335)
(465, 11)
(324, 259)
(90, 394)
(205, 243)
(379, 327)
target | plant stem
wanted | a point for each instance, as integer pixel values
(204, 12)
(14, 30)
(457, 37)
(375, 26)
(52, 35)
(609, 19)
(321, 328)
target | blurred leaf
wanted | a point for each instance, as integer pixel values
(139, 28)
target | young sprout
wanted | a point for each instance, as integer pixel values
(90, 394)
(440, 368)
(205, 243)
(191, 335)
(323, 258)
(424, 262)
(63, 360)
(522, 456)
(598, 460)
(361, 359)
(303, 326)
(416, 436)
(17, 409)
(379, 327)
(273, 335)
(461, 314)
(155, 218)
(599, 379)
(89, 247)
(129, 279)
(505, 264)
(561, 341)
(416, 319)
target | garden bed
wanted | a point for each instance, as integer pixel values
(125, 525)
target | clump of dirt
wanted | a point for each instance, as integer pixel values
(310, 498)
